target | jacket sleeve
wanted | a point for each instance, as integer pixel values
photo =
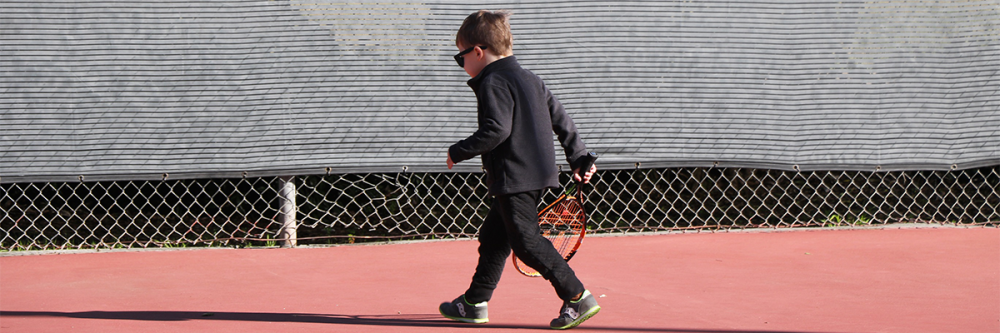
(496, 109)
(566, 132)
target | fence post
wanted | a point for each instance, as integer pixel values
(289, 223)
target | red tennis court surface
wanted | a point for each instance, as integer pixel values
(890, 280)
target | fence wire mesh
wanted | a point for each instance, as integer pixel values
(354, 207)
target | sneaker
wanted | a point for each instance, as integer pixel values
(461, 310)
(574, 313)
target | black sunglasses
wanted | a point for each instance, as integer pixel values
(460, 60)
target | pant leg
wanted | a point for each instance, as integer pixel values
(493, 252)
(533, 249)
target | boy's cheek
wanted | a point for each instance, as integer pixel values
(473, 68)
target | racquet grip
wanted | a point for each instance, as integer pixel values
(588, 162)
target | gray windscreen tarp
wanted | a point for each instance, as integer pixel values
(123, 90)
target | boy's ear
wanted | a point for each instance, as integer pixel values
(480, 53)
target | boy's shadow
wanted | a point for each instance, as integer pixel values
(377, 320)
(401, 320)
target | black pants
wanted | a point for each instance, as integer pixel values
(512, 224)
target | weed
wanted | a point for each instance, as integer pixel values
(836, 220)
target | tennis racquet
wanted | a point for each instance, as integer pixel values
(563, 222)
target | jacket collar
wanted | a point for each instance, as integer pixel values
(496, 66)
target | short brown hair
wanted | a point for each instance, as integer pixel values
(490, 28)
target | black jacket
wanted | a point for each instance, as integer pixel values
(517, 116)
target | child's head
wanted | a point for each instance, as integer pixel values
(489, 28)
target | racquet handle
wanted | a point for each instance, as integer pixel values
(588, 162)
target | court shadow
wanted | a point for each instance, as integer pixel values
(401, 320)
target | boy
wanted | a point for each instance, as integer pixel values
(517, 115)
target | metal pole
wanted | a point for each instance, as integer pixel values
(289, 223)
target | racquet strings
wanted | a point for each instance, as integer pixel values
(562, 225)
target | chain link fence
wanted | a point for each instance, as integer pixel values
(357, 207)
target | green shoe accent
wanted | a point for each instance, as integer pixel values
(573, 313)
(475, 305)
(582, 296)
(466, 320)
(463, 311)
(590, 313)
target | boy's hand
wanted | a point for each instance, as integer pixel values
(586, 177)
(450, 163)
